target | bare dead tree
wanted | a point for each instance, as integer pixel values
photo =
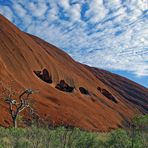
(16, 107)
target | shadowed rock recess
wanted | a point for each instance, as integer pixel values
(63, 86)
(107, 94)
(27, 61)
(83, 91)
(44, 75)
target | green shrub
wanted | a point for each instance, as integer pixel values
(119, 139)
(23, 143)
(6, 141)
(61, 137)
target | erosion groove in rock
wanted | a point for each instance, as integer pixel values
(107, 94)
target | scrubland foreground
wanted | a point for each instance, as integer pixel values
(61, 137)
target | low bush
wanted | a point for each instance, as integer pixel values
(60, 137)
(45, 138)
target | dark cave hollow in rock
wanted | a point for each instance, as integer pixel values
(63, 86)
(44, 75)
(83, 91)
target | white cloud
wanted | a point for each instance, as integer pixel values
(96, 11)
(19, 10)
(37, 9)
(52, 13)
(6, 11)
(64, 4)
(110, 34)
(74, 12)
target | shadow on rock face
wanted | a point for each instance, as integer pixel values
(83, 91)
(44, 75)
(107, 94)
(63, 86)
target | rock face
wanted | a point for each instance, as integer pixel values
(129, 90)
(29, 62)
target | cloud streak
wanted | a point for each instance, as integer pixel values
(110, 34)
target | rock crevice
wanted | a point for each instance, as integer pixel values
(107, 94)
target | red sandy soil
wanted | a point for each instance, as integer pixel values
(105, 101)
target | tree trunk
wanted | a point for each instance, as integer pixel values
(133, 134)
(14, 122)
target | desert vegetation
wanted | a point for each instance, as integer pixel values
(61, 137)
(16, 107)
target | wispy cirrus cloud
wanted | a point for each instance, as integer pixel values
(6, 11)
(110, 34)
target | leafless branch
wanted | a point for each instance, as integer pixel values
(16, 107)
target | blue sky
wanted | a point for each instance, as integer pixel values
(110, 34)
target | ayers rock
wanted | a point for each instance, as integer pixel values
(70, 93)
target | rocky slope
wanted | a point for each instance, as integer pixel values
(69, 93)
